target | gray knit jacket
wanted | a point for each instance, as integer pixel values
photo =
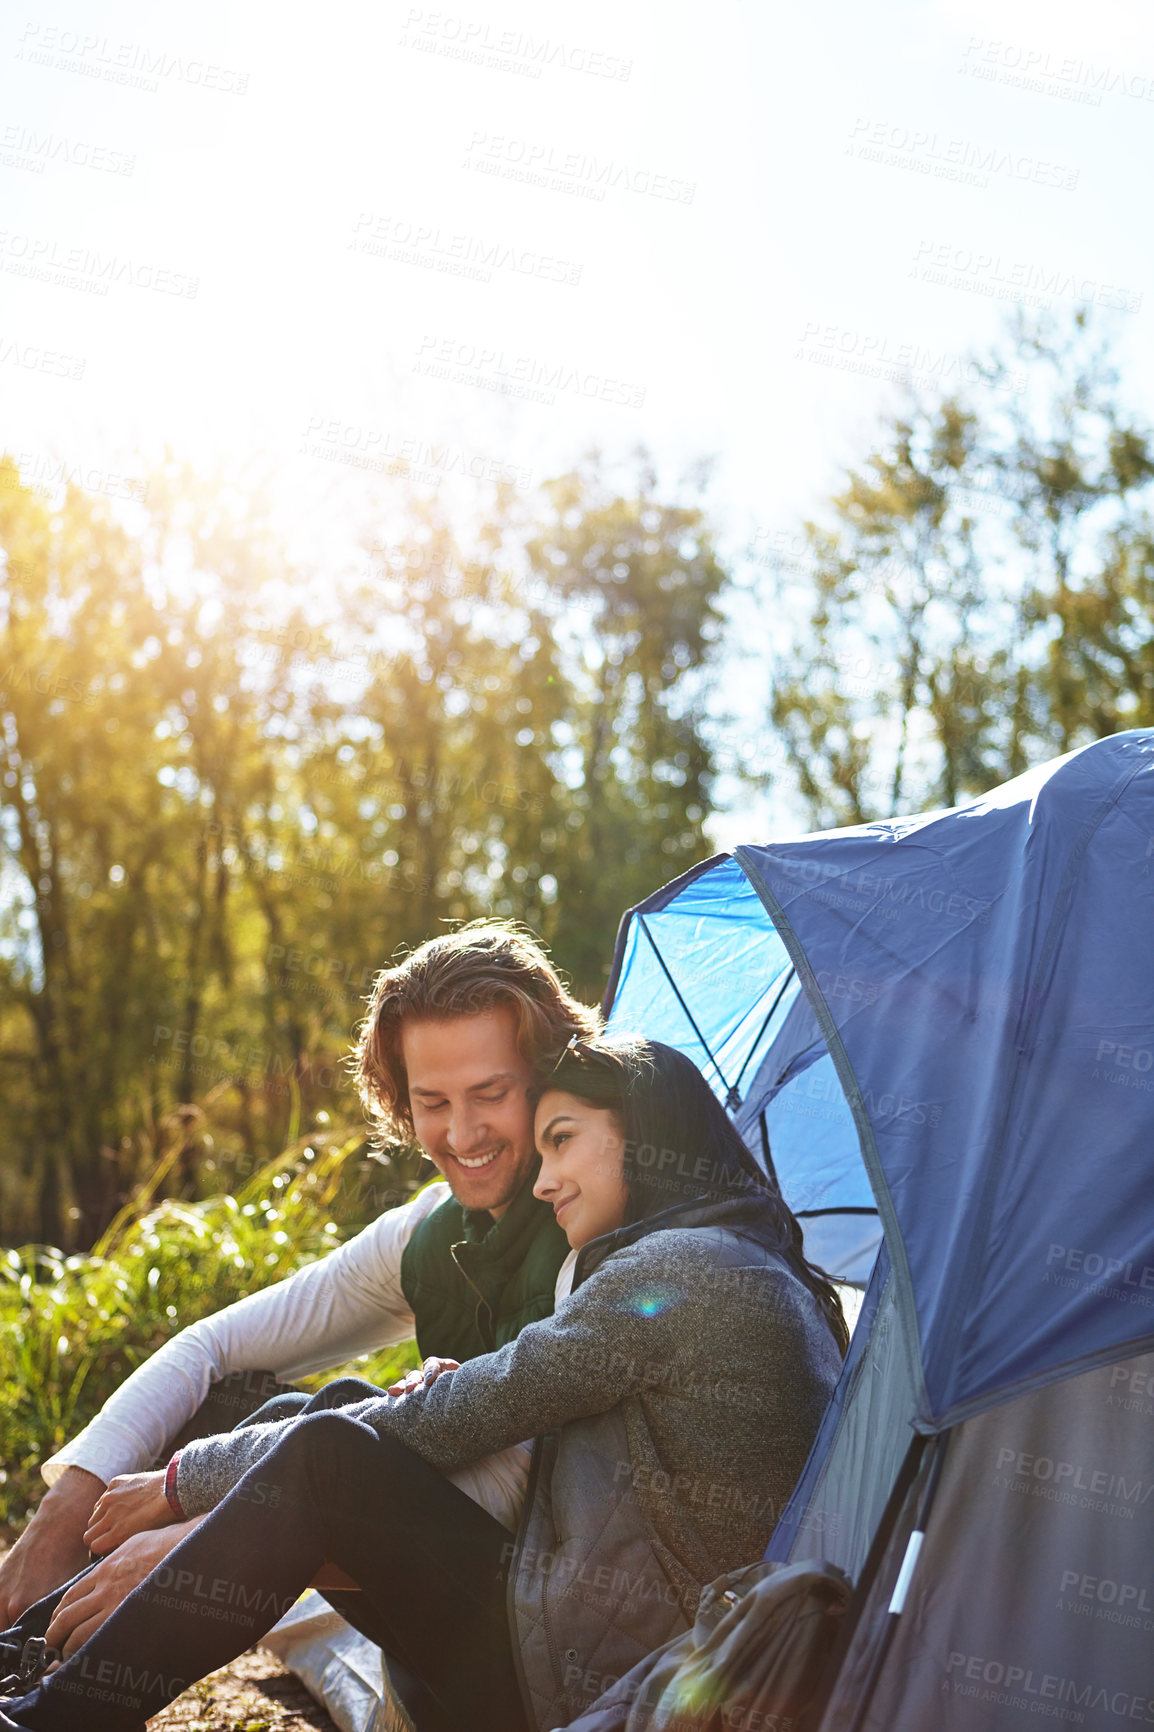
(674, 1397)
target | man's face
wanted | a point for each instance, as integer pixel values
(468, 1090)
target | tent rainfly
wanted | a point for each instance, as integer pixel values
(938, 1033)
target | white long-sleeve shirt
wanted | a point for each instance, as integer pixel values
(345, 1304)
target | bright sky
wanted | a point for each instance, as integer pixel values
(516, 228)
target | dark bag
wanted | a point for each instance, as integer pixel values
(756, 1653)
(754, 1659)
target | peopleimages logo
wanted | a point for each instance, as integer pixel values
(505, 50)
(118, 1681)
(876, 355)
(1104, 1591)
(49, 476)
(957, 159)
(539, 163)
(16, 678)
(1036, 68)
(385, 236)
(135, 64)
(1139, 1387)
(47, 259)
(1018, 1686)
(1079, 1485)
(1095, 1266)
(1026, 282)
(25, 147)
(952, 901)
(526, 376)
(34, 359)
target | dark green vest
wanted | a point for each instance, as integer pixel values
(473, 1283)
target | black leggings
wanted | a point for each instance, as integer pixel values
(431, 1563)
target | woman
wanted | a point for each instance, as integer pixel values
(674, 1396)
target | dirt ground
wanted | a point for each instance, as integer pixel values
(255, 1694)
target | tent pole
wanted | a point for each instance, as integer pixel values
(905, 1576)
(730, 1091)
(767, 1158)
(899, 1491)
(789, 974)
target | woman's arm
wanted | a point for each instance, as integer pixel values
(561, 1368)
(645, 1319)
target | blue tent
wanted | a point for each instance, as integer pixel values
(943, 1027)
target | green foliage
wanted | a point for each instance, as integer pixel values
(73, 1327)
(980, 596)
(645, 581)
(232, 786)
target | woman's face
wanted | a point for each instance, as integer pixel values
(582, 1150)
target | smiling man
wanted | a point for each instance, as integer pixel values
(456, 1037)
(452, 1047)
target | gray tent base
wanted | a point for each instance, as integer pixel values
(1032, 1601)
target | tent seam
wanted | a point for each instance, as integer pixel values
(1007, 1392)
(900, 1271)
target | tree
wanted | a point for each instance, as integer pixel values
(225, 806)
(978, 597)
(88, 844)
(1077, 466)
(640, 583)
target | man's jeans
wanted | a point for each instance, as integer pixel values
(243, 1398)
(431, 1563)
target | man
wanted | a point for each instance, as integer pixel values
(455, 1038)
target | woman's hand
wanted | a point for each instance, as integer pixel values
(134, 1503)
(96, 1596)
(430, 1370)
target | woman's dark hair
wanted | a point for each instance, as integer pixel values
(681, 1145)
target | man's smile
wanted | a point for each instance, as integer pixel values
(472, 1163)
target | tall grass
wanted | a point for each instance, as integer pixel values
(73, 1327)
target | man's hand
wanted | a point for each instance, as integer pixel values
(133, 1504)
(88, 1602)
(52, 1547)
(430, 1370)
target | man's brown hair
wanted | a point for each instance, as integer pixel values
(480, 966)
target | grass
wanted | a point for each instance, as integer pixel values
(72, 1328)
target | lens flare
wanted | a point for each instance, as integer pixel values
(652, 1300)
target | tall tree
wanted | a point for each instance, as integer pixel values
(978, 594)
(89, 843)
(1077, 464)
(229, 791)
(640, 583)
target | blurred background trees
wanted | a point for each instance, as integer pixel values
(233, 781)
(977, 597)
(228, 799)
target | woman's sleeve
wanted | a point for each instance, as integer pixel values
(621, 1331)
